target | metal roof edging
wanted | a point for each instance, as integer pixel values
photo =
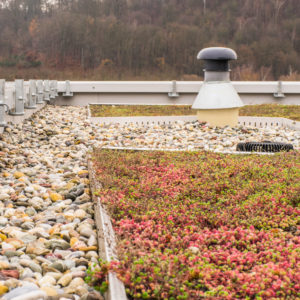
(106, 240)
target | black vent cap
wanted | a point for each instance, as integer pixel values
(217, 53)
(265, 146)
(217, 58)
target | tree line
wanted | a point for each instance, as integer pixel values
(142, 37)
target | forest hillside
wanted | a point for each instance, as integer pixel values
(147, 39)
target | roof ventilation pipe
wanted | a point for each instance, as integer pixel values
(217, 102)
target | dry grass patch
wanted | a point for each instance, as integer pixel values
(265, 110)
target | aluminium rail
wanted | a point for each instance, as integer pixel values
(257, 87)
(106, 238)
(83, 93)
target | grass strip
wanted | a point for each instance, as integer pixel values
(264, 110)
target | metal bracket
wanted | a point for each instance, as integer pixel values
(2, 111)
(53, 89)
(2, 90)
(2, 104)
(68, 92)
(173, 93)
(40, 92)
(46, 90)
(279, 93)
(19, 98)
(31, 95)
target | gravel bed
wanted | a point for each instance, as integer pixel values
(47, 228)
(188, 136)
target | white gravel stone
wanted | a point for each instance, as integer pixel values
(33, 208)
(47, 280)
(3, 196)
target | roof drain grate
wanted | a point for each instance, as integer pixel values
(265, 146)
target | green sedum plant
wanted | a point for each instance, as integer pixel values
(194, 225)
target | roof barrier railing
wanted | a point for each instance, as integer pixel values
(4, 108)
(19, 98)
(68, 92)
(40, 92)
(46, 90)
(31, 96)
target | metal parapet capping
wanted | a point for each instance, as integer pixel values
(170, 92)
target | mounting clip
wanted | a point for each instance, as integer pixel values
(68, 92)
(46, 90)
(2, 111)
(54, 83)
(19, 98)
(31, 96)
(279, 93)
(2, 104)
(53, 89)
(40, 92)
(173, 93)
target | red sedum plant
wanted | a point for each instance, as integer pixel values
(194, 225)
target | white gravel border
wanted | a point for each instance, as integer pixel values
(185, 150)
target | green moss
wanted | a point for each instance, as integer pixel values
(264, 110)
(272, 110)
(140, 110)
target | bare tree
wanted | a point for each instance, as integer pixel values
(278, 4)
